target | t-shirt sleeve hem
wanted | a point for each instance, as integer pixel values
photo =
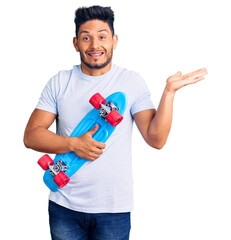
(46, 109)
(140, 109)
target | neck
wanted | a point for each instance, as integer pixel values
(95, 72)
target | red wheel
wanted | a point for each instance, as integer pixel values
(96, 100)
(61, 179)
(114, 118)
(45, 161)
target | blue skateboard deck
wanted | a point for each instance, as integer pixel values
(72, 162)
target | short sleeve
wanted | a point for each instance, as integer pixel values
(142, 100)
(48, 98)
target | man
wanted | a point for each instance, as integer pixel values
(97, 202)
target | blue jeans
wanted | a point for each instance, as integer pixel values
(66, 224)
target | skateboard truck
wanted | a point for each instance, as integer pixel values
(57, 170)
(106, 109)
(109, 112)
(60, 166)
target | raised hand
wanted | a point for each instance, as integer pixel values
(178, 80)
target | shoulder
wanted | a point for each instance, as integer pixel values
(58, 82)
(125, 70)
(61, 77)
(129, 74)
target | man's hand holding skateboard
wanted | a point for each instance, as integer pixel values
(85, 146)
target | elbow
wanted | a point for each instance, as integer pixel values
(26, 142)
(156, 141)
(157, 144)
(158, 147)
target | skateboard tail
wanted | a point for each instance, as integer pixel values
(48, 178)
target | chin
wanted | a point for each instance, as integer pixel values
(97, 65)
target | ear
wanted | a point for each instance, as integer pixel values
(75, 43)
(115, 41)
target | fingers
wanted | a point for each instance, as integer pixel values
(89, 152)
(90, 149)
(96, 150)
(194, 77)
(195, 80)
(97, 144)
(94, 129)
(177, 81)
(94, 155)
(100, 145)
(195, 74)
(179, 73)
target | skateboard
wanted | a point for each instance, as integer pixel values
(107, 113)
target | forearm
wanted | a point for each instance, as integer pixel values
(43, 140)
(39, 138)
(160, 125)
(155, 125)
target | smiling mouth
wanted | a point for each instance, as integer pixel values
(95, 55)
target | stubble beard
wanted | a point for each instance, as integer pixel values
(96, 66)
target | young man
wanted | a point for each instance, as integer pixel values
(97, 202)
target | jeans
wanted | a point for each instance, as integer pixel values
(66, 224)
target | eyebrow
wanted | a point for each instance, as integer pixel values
(102, 30)
(84, 31)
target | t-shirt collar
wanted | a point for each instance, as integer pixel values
(92, 78)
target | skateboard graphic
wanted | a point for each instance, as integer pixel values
(107, 113)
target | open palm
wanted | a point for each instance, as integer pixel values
(178, 80)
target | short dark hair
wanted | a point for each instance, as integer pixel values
(84, 14)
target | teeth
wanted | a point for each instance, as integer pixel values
(95, 54)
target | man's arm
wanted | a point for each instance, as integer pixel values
(155, 125)
(38, 137)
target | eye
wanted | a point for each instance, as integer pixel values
(102, 37)
(86, 38)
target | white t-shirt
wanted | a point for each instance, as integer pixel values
(106, 184)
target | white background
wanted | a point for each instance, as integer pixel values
(182, 191)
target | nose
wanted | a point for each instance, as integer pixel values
(94, 43)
